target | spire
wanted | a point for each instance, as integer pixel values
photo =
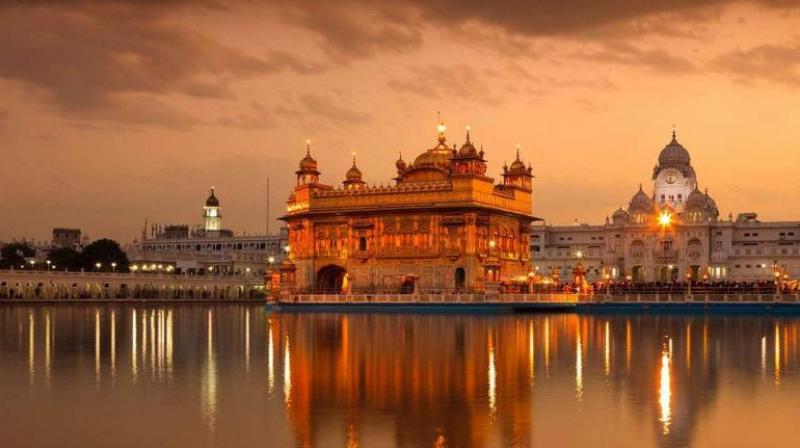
(640, 187)
(674, 134)
(354, 159)
(441, 128)
(468, 129)
(518, 146)
(308, 147)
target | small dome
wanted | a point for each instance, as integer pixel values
(400, 164)
(696, 201)
(674, 154)
(640, 202)
(620, 214)
(308, 163)
(518, 167)
(354, 174)
(711, 203)
(212, 200)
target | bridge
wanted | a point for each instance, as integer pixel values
(43, 285)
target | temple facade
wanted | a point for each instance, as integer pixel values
(443, 225)
(670, 232)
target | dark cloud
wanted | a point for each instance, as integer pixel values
(256, 117)
(779, 63)
(115, 62)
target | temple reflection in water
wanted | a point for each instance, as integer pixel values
(409, 380)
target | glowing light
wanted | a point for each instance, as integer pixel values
(607, 349)
(664, 219)
(578, 367)
(492, 378)
(270, 360)
(777, 359)
(531, 353)
(287, 373)
(665, 392)
(441, 128)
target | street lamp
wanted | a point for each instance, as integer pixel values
(113, 266)
(664, 219)
(48, 264)
(33, 264)
(98, 265)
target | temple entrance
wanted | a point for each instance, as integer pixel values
(666, 274)
(330, 279)
(461, 278)
(637, 274)
(407, 287)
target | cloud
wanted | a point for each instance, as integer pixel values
(117, 61)
(256, 117)
(618, 52)
(333, 110)
(778, 63)
(435, 81)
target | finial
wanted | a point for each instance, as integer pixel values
(354, 158)
(640, 186)
(212, 190)
(518, 146)
(401, 154)
(674, 136)
(468, 129)
(308, 146)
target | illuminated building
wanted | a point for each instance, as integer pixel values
(673, 234)
(444, 225)
(207, 248)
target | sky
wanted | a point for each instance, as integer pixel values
(117, 111)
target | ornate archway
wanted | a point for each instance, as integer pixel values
(330, 279)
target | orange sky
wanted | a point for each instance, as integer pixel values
(113, 112)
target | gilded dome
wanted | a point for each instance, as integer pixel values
(674, 154)
(308, 163)
(640, 202)
(620, 214)
(438, 156)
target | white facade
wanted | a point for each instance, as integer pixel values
(670, 235)
(207, 249)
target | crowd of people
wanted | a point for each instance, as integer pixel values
(683, 287)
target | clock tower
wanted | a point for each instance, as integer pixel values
(673, 177)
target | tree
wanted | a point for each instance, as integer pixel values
(13, 255)
(66, 258)
(105, 252)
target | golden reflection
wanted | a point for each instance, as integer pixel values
(607, 349)
(209, 383)
(134, 350)
(777, 360)
(578, 366)
(270, 359)
(665, 391)
(97, 346)
(628, 344)
(287, 373)
(144, 338)
(31, 347)
(169, 342)
(531, 354)
(547, 347)
(763, 355)
(689, 346)
(492, 379)
(247, 339)
(113, 345)
(48, 349)
(152, 338)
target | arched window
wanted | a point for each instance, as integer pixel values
(362, 243)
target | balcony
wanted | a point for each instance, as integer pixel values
(665, 254)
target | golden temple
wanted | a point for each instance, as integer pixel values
(444, 225)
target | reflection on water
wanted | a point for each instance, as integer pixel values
(227, 375)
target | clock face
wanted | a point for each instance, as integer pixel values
(671, 177)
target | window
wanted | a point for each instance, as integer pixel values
(362, 243)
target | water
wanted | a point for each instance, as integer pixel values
(236, 375)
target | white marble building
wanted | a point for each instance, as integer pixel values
(670, 232)
(208, 248)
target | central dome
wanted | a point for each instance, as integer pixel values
(674, 154)
(438, 156)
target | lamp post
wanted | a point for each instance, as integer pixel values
(33, 264)
(48, 262)
(113, 266)
(98, 265)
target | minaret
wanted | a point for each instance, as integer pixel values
(212, 214)
(307, 173)
(518, 175)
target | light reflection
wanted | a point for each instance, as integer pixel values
(578, 366)
(270, 359)
(247, 339)
(628, 344)
(531, 354)
(547, 347)
(113, 345)
(287, 373)
(48, 349)
(134, 337)
(492, 379)
(607, 349)
(777, 359)
(209, 383)
(689, 347)
(665, 391)
(97, 346)
(31, 347)
(169, 342)
(763, 355)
